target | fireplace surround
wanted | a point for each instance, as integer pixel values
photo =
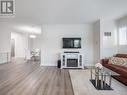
(71, 60)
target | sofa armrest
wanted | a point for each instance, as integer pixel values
(104, 61)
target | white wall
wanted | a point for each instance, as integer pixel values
(5, 38)
(96, 32)
(5, 43)
(30, 44)
(108, 43)
(51, 42)
(21, 43)
(104, 46)
(120, 23)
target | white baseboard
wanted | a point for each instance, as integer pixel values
(48, 65)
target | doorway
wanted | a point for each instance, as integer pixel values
(12, 48)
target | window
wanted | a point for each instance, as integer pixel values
(123, 36)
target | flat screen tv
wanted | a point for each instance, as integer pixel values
(71, 42)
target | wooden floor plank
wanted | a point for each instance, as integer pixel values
(22, 78)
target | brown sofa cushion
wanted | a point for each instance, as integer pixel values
(121, 55)
(119, 69)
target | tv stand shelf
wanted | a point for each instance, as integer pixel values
(71, 52)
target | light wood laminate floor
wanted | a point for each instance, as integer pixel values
(83, 86)
(21, 78)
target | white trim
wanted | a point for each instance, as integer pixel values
(48, 64)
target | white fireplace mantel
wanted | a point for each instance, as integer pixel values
(77, 60)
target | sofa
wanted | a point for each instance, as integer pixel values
(122, 70)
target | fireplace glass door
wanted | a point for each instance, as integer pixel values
(72, 62)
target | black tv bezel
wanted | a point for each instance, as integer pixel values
(71, 47)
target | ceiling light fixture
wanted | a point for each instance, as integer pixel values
(32, 36)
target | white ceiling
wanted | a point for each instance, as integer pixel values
(68, 11)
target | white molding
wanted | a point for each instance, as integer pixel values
(48, 64)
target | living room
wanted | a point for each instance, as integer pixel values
(36, 31)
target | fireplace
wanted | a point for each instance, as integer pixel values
(72, 62)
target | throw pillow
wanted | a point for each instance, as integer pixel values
(117, 61)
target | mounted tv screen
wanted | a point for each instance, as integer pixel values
(71, 42)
